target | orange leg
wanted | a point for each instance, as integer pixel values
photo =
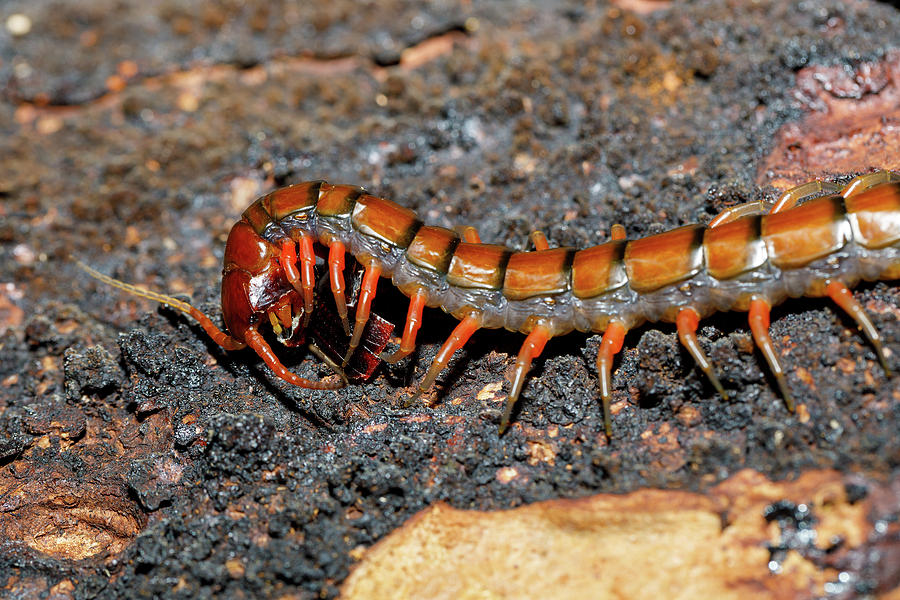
(539, 240)
(307, 276)
(470, 235)
(413, 322)
(366, 295)
(336, 274)
(531, 349)
(457, 340)
(617, 232)
(687, 322)
(255, 340)
(610, 345)
(303, 280)
(759, 327)
(843, 297)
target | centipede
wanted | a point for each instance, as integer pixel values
(818, 239)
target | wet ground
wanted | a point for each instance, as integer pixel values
(136, 455)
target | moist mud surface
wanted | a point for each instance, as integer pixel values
(137, 458)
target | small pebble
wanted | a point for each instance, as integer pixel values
(18, 24)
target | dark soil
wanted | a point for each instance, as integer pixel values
(134, 134)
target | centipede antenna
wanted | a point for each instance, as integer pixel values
(843, 297)
(531, 349)
(610, 345)
(217, 335)
(687, 322)
(366, 295)
(759, 327)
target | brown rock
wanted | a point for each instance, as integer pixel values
(730, 543)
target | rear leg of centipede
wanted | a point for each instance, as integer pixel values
(759, 309)
(837, 291)
(797, 195)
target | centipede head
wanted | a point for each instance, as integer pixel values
(255, 289)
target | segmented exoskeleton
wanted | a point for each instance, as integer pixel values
(747, 259)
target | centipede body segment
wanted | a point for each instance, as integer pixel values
(818, 240)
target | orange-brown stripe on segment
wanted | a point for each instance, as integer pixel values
(337, 200)
(530, 274)
(800, 235)
(292, 199)
(257, 216)
(432, 248)
(598, 269)
(480, 266)
(660, 260)
(385, 220)
(734, 248)
(875, 215)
